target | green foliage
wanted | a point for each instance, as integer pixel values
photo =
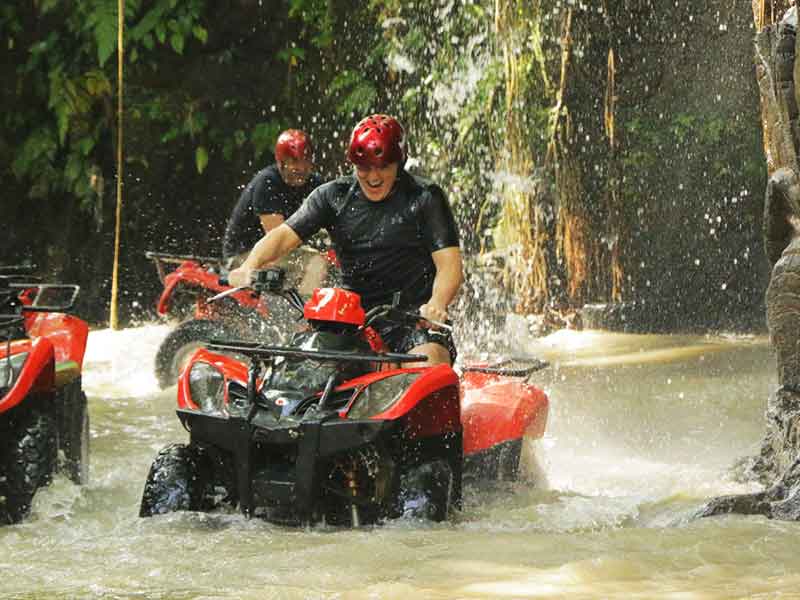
(700, 133)
(102, 20)
(292, 56)
(453, 96)
(66, 84)
(264, 136)
(65, 87)
(354, 92)
(315, 14)
(201, 158)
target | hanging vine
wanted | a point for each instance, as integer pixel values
(524, 223)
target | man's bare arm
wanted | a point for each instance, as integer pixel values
(446, 284)
(273, 246)
(270, 221)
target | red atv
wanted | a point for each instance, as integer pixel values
(331, 428)
(44, 419)
(242, 314)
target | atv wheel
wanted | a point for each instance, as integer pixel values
(178, 346)
(179, 479)
(74, 430)
(426, 491)
(508, 460)
(28, 443)
(501, 463)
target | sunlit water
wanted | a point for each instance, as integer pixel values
(642, 430)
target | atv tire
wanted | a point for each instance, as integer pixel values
(508, 461)
(426, 491)
(74, 433)
(181, 343)
(28, 454)
(179, 479)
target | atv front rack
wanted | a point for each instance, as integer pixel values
(162, 258)
(262, 351)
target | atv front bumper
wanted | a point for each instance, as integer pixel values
(293, 470)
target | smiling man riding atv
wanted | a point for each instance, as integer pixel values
(392, 232)
(359, 417)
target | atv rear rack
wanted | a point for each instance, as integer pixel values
(8, 321)
(531, 365)
(39, 302)
(262, 351)
(17, 269)
(10, 326)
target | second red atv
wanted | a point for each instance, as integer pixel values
(332, 429)
(189, 284)
(44, 418)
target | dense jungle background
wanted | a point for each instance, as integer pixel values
(604, 152)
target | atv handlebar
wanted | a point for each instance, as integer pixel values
(273, 281)
(257, 350)
(392, 313)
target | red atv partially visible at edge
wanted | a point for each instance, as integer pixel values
(189, 281)
(44, 419)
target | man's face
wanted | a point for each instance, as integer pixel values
(295, 171)
(377, 182)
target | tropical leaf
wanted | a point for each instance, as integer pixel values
(200, 33)
(103, 22)
(201, 158)
(176, 41)
(147, 24)
(264, 136)
(41, 145)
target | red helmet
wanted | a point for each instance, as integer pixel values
(293, 143)
(377, 141)
(335, 304)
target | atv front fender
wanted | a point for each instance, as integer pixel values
(192, 275)
(68, 335)
(37, 374)
(495, 410)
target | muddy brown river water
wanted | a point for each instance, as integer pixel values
(642, 429)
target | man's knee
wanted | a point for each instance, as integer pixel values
(436, 353)
(314, 270)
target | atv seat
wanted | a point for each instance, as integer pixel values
(66, 372)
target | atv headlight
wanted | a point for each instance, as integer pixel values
(380, 395)
(10, 368)
(207, 387)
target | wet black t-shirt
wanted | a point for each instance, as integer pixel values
(266, 194)
(385, 246)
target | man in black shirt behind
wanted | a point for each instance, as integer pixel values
(392, 232)
(268, 200)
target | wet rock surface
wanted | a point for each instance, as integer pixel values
(777, 466)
